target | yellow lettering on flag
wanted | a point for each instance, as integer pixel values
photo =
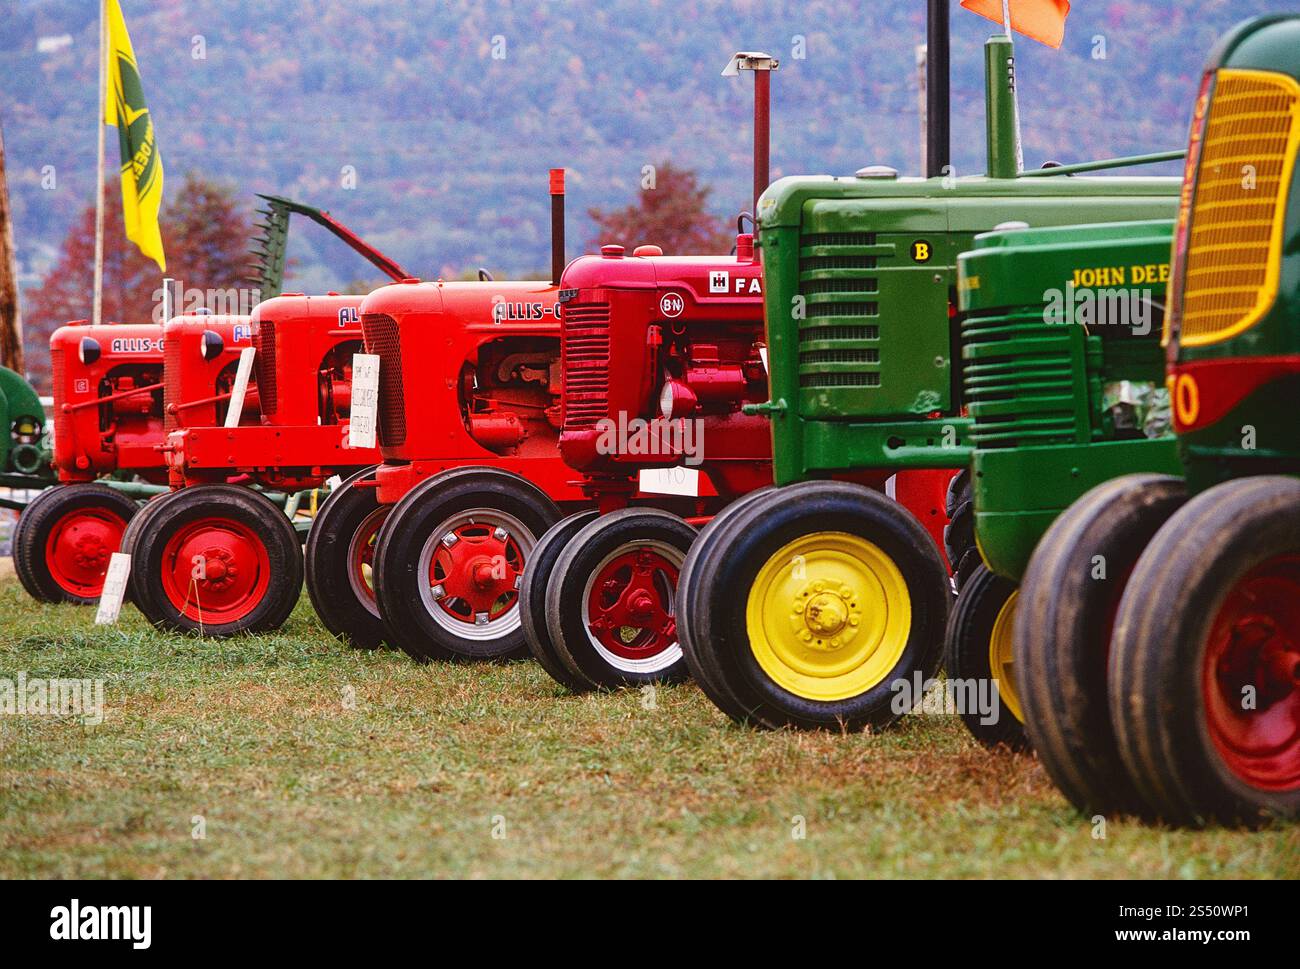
(142, 170)
(1042, 20)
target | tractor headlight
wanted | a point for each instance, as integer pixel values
(211, 345)
(89, 350)
(676, 400)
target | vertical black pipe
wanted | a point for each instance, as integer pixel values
(937, 110)
(557, 225)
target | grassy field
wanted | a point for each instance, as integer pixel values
(295, 757)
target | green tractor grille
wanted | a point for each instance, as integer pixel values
(839, 288)
(1019, 380)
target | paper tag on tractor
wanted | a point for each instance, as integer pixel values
(670, 481)
(365, 400)
(110, 600)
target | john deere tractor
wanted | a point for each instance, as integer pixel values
(1157, 648)
(1063, 376)
(821, 603)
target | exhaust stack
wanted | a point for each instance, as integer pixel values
(557, 225)
(762, 65)
(937, 85)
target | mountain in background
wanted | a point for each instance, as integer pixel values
(449, 114)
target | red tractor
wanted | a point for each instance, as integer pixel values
(108, 419)
(215, 556)
(427, 551)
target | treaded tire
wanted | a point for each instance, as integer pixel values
(967, 657)
(959, 534)
(532, 600)
(596, 548)
(242, 535)
(331, 558)
(1222, 574)
(47, 517)
(407, 600)
(744, 541)
(1063, 635)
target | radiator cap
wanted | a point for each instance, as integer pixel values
(876, 171)
(648, 251)
(612, 251)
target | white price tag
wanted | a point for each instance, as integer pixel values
(670, 481)
(236, 409)
(110, 600)
(762, 352)
(365, 400)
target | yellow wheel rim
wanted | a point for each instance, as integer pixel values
(829, 616)
(1001, 662)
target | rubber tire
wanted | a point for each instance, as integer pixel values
(966, 654)
(327, 564)
(400, 541)
(959, 534)
(532, 600)
(16, 547)
(1165, 619)
(244, 505)
(36, 523)
(1061, 636)
(716, 638)
(700, 659)
(574, 566)
(133, 528)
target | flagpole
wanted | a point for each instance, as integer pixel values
(1015, 93)
(97, 315)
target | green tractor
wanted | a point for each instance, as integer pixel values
(1064, 381)
(24, 451)
(820, 603)
(1157, 646)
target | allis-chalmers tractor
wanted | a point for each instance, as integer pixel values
(1063, 375)
(427, 550)
(108, 420)
(820, 604)
(1158, 650)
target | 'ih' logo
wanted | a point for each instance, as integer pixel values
(719, 281)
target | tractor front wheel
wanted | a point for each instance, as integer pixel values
(218, 560)
(978, 659)
(820, 605)
(449, 564)
(1064, 618)
(340, 562)
(65, 538)
(1205, 681)
(532, 600)
(610, 603)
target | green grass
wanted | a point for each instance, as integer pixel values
(261, 737)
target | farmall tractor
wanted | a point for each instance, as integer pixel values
(108, 420)
(1063, 375)
(427, 551)
(1158, 648)
(661, 356)
(820, 603)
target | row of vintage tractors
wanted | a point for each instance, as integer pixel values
(770, 469)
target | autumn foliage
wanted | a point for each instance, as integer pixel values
(207, 235)
(671, 212)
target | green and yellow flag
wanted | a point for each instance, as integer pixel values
(142, 170)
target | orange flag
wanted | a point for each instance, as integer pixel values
(1043, 20)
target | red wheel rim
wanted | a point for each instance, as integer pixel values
(215, 570)
(475, 572)
(361, 559)
(1251, 677)
(79, 548)
(630, 604)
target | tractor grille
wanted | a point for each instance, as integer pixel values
(586, 363)
(382, 339)
(1233, 253)
(840, 289)
(1018, 380)
(171, 382)
(59, 374)
(264, 366)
